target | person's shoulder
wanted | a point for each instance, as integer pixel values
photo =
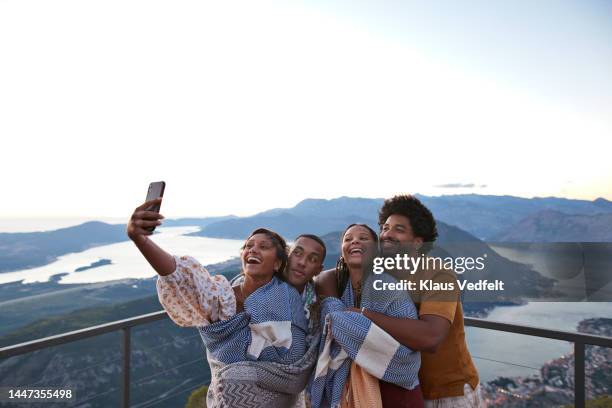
(326, 276)
(326, 283)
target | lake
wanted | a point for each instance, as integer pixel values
(126, 261)
(493, 350)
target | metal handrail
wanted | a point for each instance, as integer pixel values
(579, 340)
(590, 339)
(124, 325)
(81, 334)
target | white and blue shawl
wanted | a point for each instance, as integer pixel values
(350, 336)
(271, 330)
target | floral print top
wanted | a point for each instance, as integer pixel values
(194, 298)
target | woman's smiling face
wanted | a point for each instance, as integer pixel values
(358, 244)
(259, 257)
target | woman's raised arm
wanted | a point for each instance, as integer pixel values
(163, 263)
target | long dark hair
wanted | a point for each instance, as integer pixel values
(279, 244)
(342, 270)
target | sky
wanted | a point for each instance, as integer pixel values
(242, 106)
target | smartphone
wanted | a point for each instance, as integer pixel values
(156, 190)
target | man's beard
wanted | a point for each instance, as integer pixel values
(394, 247)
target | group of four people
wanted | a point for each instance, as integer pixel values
(286, 333)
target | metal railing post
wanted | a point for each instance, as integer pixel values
(579, 390)
(126, 367)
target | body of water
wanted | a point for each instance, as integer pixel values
(497, 353)
(126, 260)
(507, 354)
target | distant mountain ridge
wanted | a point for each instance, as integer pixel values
(20, 250)
(485, 217)
(482, 216)
(285, 223)
(554, 226)
(197, 222)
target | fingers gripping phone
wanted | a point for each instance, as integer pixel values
(156, 190)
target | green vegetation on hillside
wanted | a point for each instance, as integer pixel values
(197, 399)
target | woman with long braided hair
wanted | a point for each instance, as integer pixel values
(360, 364)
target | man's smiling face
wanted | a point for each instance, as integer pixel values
(396, 236)
(305, 262)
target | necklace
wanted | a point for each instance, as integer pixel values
(357, 293)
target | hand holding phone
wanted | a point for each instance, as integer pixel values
(156, 191)
(146, 216)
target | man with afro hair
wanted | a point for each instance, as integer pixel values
(448, 377)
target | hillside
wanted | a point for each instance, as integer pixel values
(23, 250)
(553, 385)
(197, 222)
(555, 226)
(165, 358)
(23, 304)
(486, 216)
(168, 362)
(286, 223)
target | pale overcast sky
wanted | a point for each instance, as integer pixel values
(241, 106)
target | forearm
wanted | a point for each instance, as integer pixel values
(413, 333)
(163, 263)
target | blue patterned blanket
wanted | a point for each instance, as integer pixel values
(272, 327)
(258, 357)
(350, 336)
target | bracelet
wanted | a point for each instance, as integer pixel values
(363, 310)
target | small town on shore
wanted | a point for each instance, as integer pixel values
(554, 384)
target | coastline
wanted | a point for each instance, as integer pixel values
(554, 384)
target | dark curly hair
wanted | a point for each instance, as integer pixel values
(279, 244)
(421, 219)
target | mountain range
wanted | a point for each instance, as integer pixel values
(21, 250)
(491, 218)
(485, 217)
(555, 226)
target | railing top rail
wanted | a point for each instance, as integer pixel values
(81, 334)
(583, 338)
(63, 338)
